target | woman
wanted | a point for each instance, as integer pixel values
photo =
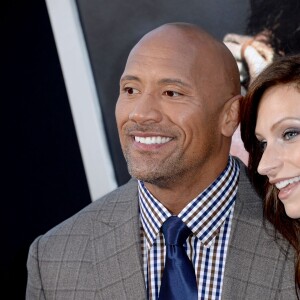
(270, 130)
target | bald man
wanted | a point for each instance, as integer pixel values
(177, 110)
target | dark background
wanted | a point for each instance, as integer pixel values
(43, 177)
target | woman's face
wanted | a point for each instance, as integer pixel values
(278, 130)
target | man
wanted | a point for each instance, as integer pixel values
(176, 113)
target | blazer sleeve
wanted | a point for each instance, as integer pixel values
(34, 288)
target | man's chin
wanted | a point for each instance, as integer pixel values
(157, 179)
(144, 176)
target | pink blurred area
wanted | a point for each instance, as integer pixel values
(237, 147)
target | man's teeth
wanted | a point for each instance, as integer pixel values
(284, 183)
(152, 140)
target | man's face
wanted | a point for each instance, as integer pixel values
(168, 126)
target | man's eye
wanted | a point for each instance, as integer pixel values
(131, 91)
(171, 94)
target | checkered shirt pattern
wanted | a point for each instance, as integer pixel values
(209, 217)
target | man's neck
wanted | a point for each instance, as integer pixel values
(177, 197)
(176, 193)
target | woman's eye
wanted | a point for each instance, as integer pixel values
(288, 135)
(262, 145)
(171, 94)
(131, 91)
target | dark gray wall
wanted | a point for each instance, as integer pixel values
(43, 181)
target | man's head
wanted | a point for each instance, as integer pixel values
(178, 106)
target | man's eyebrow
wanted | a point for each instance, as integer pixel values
(129, 77)
(161, 81)
(174, 81)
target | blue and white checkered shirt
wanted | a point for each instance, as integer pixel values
(209, 217)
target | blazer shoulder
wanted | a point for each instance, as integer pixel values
(246, 192)
(116, 202)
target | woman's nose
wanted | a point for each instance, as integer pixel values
(270, 162)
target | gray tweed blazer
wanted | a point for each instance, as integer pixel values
(96, 253)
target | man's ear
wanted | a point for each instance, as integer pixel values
(231, 113)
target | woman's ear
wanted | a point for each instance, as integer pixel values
(231, 116)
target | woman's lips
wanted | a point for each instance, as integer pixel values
(287, 190)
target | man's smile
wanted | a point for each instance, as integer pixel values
(150, 140)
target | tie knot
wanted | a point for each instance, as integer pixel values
(175, 231)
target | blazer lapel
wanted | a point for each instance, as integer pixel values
(118, 259)
(247, 211)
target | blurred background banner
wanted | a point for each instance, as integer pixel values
(60, 69)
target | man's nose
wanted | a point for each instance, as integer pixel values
(270, 162)
(146, 109)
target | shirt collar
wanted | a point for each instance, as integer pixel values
(204, 215)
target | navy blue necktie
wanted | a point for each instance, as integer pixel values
(179, 280)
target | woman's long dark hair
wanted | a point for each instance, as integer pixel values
(285, 70)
